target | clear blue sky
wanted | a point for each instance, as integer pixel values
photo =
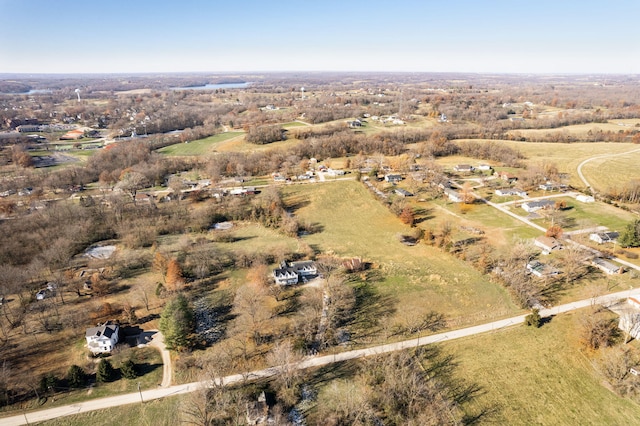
(536, 36)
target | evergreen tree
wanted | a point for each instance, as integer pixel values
(76, 377)
(630, 237)
(128, 369)
(105, 373)
(177, 323)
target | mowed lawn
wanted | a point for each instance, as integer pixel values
(413, 280)
(539, 376)
(200, 146)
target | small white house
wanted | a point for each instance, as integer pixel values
(630, 318)
(103, 338)
(604, 237)
(585, 198)
(606, 266)
(532, 206)
(453, 195)
(465, 168)
(547, 244)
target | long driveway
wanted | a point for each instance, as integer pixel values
(316, 361)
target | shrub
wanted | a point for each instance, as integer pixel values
(48, 381)
(533, 319)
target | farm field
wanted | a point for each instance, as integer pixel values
(413, 280)
(581, 129)
(612, 172)
(539, 376)
(199, 147)
(568, 156)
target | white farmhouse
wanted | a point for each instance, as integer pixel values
(103, 338)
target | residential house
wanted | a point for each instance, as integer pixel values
(506, 176)
(507, 192)
(604, 237)
(453, 195)
(552, 186)
(484, 167)
(304, 268)
(392, 178)
(292, 273)
(334, 172)
(585, 198)
(103, 338)
(403, 192)
(465, 168)
(541, 270)
(606, 266)
(355, 123)
(532, 206)
(629, 321)
(547, 244)
(285, 276)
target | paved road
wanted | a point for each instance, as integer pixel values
(581, 175)
(316, 361)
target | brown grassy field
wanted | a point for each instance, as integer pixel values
(413, 280)
(539, 376)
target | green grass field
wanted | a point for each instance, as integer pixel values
(199, 147)
(413, 280)
(539, 376)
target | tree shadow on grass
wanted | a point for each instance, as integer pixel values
(370, 308)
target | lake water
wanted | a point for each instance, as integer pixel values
(215, 86)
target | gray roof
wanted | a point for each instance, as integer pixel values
(107, 329)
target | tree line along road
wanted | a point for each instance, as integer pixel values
(316, 361)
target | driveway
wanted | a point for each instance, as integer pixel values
(157, 341)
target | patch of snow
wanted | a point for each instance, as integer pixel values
(100, 252)
(221, 226)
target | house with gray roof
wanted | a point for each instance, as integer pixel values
(103, 338)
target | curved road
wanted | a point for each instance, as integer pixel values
(581, 175)
(167, 370)
(316, 361)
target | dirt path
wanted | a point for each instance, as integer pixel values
(581, 175)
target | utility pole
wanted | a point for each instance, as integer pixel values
(141, 400)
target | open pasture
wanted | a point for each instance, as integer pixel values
(411, 280)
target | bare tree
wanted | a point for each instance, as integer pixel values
(286, 361)
(131, 182)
